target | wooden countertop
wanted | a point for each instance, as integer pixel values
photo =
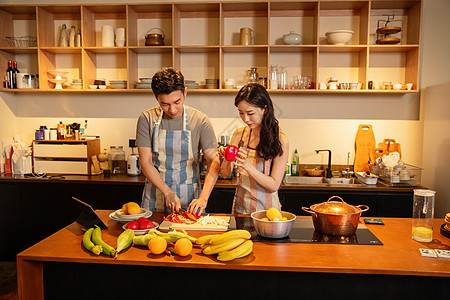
(221, 183)
(398, 256)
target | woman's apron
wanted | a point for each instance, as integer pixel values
(250, 196)
(174, 159)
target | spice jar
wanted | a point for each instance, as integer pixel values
(117, 162)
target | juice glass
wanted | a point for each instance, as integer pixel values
(423, 214)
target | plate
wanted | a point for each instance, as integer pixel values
(388, 41)
(143, 231)
(444, 231)
(120, 217)
(389, 30)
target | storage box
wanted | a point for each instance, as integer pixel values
(401, 175)
(365, 179)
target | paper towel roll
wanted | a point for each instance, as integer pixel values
(107, 36)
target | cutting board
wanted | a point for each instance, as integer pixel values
(364, 148)
(388, 146)
(164, 226)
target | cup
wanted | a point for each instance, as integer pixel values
(353, 85)
(107, 36)
(120, 37)
(409, 86)
(247, 35)
(53, 134)
(343, 86)
(423, 214)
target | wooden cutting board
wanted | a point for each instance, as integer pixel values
(164, 226)
(388, 146)
(364, 148)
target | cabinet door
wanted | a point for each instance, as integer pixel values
(292, 201)
(221, 201)
(10, 209)
(398, 205)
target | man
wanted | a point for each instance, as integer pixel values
(169, 139)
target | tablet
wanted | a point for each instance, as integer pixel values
(88, 218)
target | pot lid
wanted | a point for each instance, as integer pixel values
(335, 207)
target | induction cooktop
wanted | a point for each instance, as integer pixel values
(303, 232)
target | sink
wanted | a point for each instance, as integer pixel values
(337, 180)
(303, 180)
(306, 180)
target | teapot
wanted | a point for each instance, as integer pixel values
(292, 38)
(154, 39)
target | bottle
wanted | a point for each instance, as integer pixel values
(295, 161)
(64, 37)
(60, 128)
(15, 71)
(78, 39)
(72, 36)
(10, 75)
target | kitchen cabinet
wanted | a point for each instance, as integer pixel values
(202, 39)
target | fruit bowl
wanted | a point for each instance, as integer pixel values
(142, 231)
(273, 229)
(339, 37)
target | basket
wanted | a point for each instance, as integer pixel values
(405, 175)
(21, 41)
(314, 172)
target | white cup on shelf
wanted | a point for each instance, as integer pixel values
(107, 36)
(409, 86)
(120, 37)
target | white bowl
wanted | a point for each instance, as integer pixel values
(92, 86)
(102, 87)
(339, 37)
(397, 86)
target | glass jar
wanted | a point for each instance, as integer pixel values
(117, 162)
(252, 75)
(273, 82)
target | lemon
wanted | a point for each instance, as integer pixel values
(133, 208)
(183, 247)
(157, 245)
(422, 234)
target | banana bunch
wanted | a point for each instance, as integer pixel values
(170, 237)
(92, 241)
(229, 245)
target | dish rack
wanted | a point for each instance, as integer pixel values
(21, 41)
(400, 175)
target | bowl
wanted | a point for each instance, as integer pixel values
(102, 87)
(339, 37)
(314, 172)
(93, 86)
(273, 229)
(142, 231)
(397, 86)
(118, 86)
(145, 80)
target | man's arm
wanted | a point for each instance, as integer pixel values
(152, 174)
(212, 160)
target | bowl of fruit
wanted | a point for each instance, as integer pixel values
(141, 226)
(273, 223)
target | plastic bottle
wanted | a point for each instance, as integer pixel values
(295, 162)
(64, 37)
(72, 36)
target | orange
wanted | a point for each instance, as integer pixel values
(183, 247)
(125, 208)
(133, 208)
(157, 245)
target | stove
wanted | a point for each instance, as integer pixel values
(303, 232)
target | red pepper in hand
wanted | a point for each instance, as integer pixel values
(231, 152)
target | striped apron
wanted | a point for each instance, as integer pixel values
(250, 196)
(174, 159)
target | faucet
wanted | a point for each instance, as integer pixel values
(328, 170)
(347, 174)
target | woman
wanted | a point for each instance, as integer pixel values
(263, 153)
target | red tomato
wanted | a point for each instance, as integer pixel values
(146, 225)
(142, 219)
(134, 225)
(231, 152)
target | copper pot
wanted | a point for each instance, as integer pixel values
(154, 39)
(335, 217)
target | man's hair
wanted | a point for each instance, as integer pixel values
(167, 80)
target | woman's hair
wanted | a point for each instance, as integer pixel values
(269, 138)
(167, 80)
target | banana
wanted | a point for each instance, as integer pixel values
(236, 252)
(173, 236)
(142, 240)
(228, 245)
(89, 245)
(206, 239)
(230, 235)
(250, 249)
(97, 239)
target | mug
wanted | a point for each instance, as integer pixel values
(353, 85)
(247, 35)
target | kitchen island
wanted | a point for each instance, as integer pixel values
(58, 267)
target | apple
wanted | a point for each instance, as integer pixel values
(134, 225)
(146, 225)
(231, 152)
(142, 219)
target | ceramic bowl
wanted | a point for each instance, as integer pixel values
(93, 86)
(397, 86)
(339, 37)
(102, 87)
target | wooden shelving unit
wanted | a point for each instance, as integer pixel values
(202, 39)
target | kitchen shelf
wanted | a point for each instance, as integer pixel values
(202, 40)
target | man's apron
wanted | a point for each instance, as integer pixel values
(250, 196)
(174, 159)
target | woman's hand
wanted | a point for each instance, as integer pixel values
(221, 151)
(197, 205)
(172, 201)
(241, 159)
